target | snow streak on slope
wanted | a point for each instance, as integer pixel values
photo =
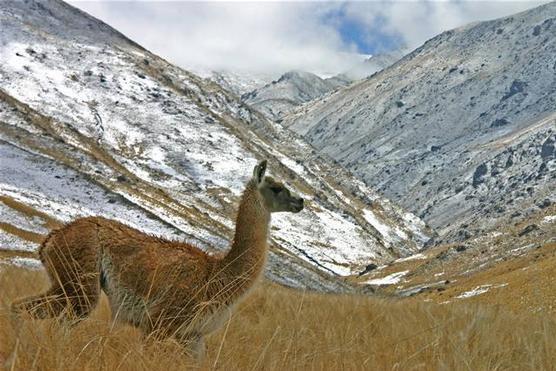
(122, 133)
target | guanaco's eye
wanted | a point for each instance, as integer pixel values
(276, 189)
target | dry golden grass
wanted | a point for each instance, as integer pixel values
(525, 283)
(283, 329)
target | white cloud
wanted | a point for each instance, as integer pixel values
(273, 37)
(259, 37)
(417, 21)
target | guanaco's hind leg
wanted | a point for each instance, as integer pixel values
(74, 275)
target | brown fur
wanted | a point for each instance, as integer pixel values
(163, 287)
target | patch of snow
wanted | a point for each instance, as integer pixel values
(549, 219)
(9, 241)
(474, 292)
(23, 262)
(65, 194)
(415, 225)
(419, 256)
(323, 235)
(370, 217)
(389, 234)
(22, 221)
(400, 233)
(342, 196)
(113, 133)
(521, 249)
(479, 290)
(488, 236)
(388, 280)
(298, 168)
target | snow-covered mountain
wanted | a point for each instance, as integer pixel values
(461, 131)
(92, 123)
(292, 89)
(237, 82)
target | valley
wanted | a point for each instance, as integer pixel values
(428, 238)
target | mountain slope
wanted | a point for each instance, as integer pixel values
(91, 123)
(461, 131)
(292, 89)
(279, 97)
(237, 82)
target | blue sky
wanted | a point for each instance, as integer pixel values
(367, 37)
(274, 37)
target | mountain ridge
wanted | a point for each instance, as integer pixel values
(290, 90)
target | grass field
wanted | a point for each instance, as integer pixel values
(283, 329)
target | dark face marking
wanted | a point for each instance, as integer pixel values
(279, 198)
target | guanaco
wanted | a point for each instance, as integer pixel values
(164, 287)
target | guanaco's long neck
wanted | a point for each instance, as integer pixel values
(246, 259)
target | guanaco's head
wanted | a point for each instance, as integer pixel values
(275, 194)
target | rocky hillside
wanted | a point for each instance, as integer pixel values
(93, 124)
(514, 265)
(461, 131)
(292, 89)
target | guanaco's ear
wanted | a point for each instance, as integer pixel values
(258, 172)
